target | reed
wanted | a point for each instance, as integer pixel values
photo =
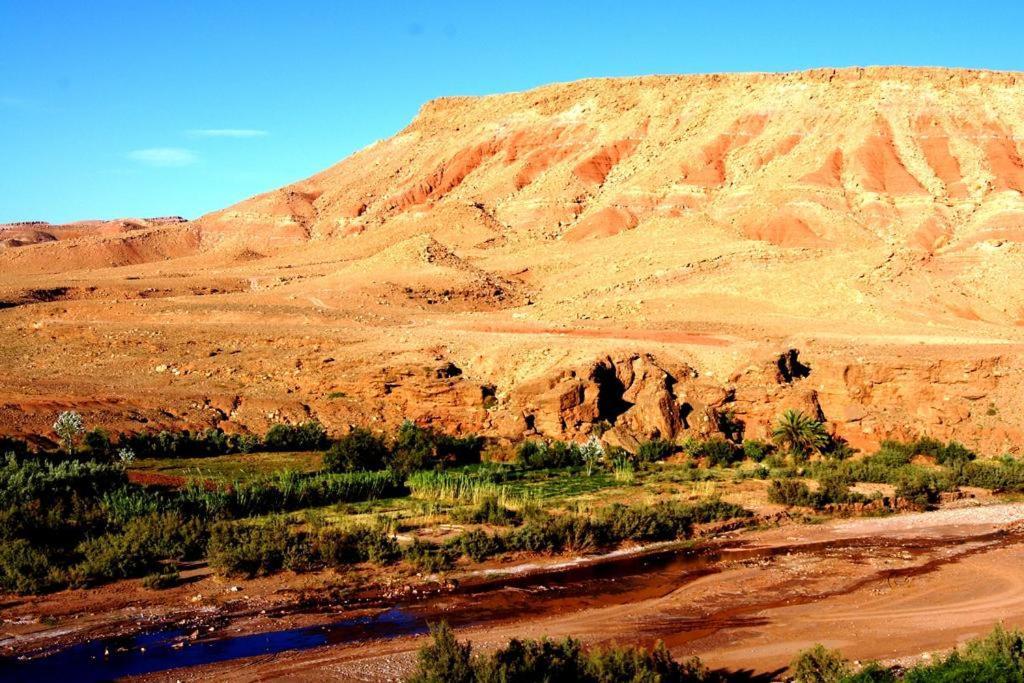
(460, 487)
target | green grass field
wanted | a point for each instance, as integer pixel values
(230, 468)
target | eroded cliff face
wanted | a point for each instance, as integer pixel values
(634, 256)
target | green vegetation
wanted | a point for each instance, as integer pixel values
(832, 490)
(655, 450)
(445, 660)
(103, 508)
(459, 487)
(360, 449)
(536, 455)
(717, 452)
(308, 436)
(260, 549)
(818, 664)
(799, 434)
(996, 658)
(79, 522)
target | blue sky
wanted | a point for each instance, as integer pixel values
(148, 108)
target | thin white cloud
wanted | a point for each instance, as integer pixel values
(164, 156)
(227, 133)
(13, 102)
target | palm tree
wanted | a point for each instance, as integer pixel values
(799, 434)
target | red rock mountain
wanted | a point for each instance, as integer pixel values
(637, 253)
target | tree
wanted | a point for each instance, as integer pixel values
(126, 456)
(590, 453)
(69, 428)
(799, 434)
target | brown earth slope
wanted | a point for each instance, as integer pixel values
(643, 252)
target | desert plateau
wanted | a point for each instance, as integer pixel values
(725, 366)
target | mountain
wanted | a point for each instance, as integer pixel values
(657, 255)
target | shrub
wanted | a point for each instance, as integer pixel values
(429, 558)
(756, 450)
(478, 545)
(444, 659)
(161, 580)
(659, 522)
(948, 454)
(718, 452)
(1007, 475)
(536, 455)
(996, 657)
(24, 568)
(654, 450)
(360, 449)
(98, 442)
(921, 489)
(555, 533)
(248, 549)
(139, 547)
(357, 544)
(832, 489)
(488, 511)
(166, 444)
(418, 448)
(819, 665)
(308, 436)
(259, 549)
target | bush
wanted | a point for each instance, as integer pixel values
(659, 522)
(24, 568)
(429, 558)
(360, 449)
(756, 450)
(833, 489)
(445, 660)
(654, 450)
(718, 452)
(308, 436)
(921, 489)
(161, 580)
(419, 448)
(186, 444)
(819, 665)
(488, 511)
(260, 549)
(1007, 475)
(478, 545)
(98, 442)
(139, 547)
(537, 455)
(248, 549)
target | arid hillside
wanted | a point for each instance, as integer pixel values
(661, 255)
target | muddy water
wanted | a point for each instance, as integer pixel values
(607, 582)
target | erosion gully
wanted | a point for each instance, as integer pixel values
(488, 601)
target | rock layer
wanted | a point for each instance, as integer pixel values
(631, 255)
